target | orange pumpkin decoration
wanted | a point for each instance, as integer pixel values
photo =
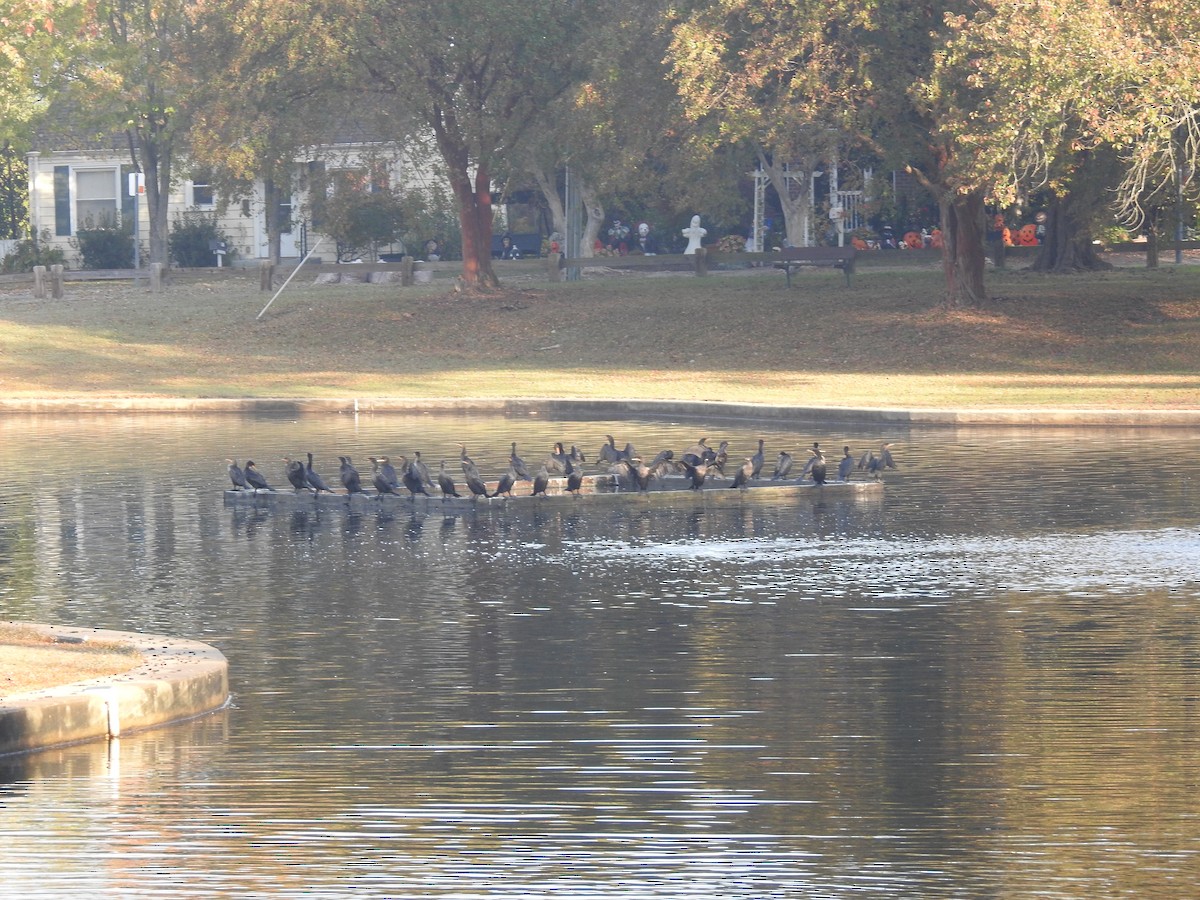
(914, 240)
(1027, 236)
(935, 239)
(859, 243)
(1006, 236)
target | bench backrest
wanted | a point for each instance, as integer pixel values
(817, 254)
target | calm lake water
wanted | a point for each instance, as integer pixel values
(984, 682)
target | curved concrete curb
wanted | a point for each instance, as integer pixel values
(953, 418)
(179, 679)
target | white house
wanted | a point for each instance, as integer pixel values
(74, 189)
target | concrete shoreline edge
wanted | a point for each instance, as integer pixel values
(983, 416)
(178, 679)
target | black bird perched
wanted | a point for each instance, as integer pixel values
(698, 474)
(885, 456)
(783, 466)
(422, 470)
(744, 473)
(757, 460)
(639, 473)
(818, 467)
(518, 465)
(446, 482)
(505, 485)
(475, 483)
(574, 477)
(609, 452)
(294, 469)
(349, 475)
(542, 479)
(410, 476)
(721, 457)
(846, 466)
(556, 461)
(466, 460)
(237, 476)
(382, 483)
(577, 457)
(315, 481)
(697, 453)
(254, 477)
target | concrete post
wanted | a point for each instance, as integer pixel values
(701, 261)
(39, 282)
(406, 270)
(56, 282)
(266, 275)
(554, 267)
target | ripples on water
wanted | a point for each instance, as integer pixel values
(984, 683)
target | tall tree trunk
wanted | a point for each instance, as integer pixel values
(271, 194)
(962, 249)
(595, 219)
(549, 188)
(1068, 243)
(794, 195)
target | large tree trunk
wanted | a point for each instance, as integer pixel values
(1068, 245)
(151, 153)
(794, 196)
(549, 188)
(595, 219)
(271, 201)
(962, 249)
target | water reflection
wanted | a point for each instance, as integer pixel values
(983, 682)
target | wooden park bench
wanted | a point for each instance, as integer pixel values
(800, 257)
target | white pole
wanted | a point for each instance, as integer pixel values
(290, 277)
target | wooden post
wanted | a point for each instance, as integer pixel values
(156, 278)
(56, 282)
(406, 270)
(39, 282)
(554, 266)
(701, 261)
(266, 275)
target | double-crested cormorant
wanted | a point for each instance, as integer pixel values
(721, 457)
(475, 483)
(382, 483)
(422, 470)
(294, 469)
(757, 460)
(254, 477)
(885, 456)
(349, 475)
(557, 460)
(446, 482)
(609, 452)
(783, 466)
(410, 477)
(505, 485)
(237, 476)
(698, 473)
(640, 473)
(518, 465)
(542, 479)
(744, 473)
(388, 471)
(315, 481)
(846, 466)
(574, 477)
(576, 455)
(466, 460)
(817, 470)
(697, 453)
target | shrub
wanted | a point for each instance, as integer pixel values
(105, 248)
(190, 241)
(29, 253)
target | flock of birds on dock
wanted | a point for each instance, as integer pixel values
(698, 463)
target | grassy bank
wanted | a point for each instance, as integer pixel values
(1129, 338)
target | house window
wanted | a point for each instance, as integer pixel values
(96, 196)
(202, 191)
